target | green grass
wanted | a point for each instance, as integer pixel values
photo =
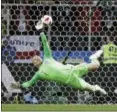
(57, 107)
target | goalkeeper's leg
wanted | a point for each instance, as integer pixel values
(83, 68)
(95, 64)
(81, 84)
(89, 87)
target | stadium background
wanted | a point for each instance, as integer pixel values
(70, 32)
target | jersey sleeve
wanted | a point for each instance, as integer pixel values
(47, 51)
(33, 80)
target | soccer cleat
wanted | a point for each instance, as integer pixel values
(98, 88)
(96, 55)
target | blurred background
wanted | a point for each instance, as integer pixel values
(79, 26)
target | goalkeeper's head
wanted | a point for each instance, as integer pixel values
(37, 61)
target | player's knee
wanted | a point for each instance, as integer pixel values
(95, 64)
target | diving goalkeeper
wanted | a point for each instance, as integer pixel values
(51, 70)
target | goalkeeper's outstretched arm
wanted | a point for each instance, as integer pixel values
(39, 26)
(31, 82)
(27, 84)
(47, 50)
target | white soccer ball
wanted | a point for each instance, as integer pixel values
(47, 20)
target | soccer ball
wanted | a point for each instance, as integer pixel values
(46, 19)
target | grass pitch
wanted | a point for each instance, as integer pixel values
(58, 107)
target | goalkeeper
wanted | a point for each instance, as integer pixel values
(50, 69)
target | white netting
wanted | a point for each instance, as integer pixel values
(72, 30)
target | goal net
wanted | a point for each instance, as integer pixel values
(79, 27)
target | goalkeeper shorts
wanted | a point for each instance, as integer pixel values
(75, 79)
(80, 70)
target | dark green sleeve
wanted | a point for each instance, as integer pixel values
(29, 83)
(47, 51)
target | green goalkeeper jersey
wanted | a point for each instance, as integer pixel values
(55, 71)
(50, 68)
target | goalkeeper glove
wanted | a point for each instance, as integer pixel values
(39, 24)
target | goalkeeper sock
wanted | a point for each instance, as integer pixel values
(96, 55)
(98, 88)
(93, 88)
(86, 85)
